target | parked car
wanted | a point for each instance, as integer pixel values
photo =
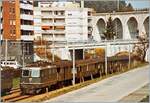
(10, 63)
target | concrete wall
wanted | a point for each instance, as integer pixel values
(127, 20)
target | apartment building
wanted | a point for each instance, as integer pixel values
(0, 20)
(17, 20)
(17, 25)
(62, 21)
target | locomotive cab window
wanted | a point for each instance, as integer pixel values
(26, 73)
(35, 73)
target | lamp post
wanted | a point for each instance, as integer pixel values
(73, 69)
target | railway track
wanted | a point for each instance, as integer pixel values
(14, 90)
(16, 96)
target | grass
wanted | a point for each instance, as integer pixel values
(145, 99)
(16, 82)
(58, 92)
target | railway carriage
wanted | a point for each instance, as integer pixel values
(6, 79)
(40, 77)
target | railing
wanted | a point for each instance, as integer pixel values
(26, 17)
(26, 6)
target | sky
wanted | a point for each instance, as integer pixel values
(139, 3)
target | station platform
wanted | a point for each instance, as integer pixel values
(112, 89)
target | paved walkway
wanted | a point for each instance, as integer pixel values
(138, 95)
(108, 90)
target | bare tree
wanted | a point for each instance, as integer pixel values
(141, 47)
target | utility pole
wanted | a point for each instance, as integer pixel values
(129, 55)
(73, 69)
(53, 56)
(117, 5)
(149, 37)
(45, 52)
(6, 51)
(23, 53)
(106, 58)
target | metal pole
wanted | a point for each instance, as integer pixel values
(6, 51)
(118, 5)
(23, 54)
(149, 40)
(73, 69)
(45, 51)
(53, 56)
(106, 59)
(83, 53)
(129, 56)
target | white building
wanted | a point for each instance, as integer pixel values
(26, 20)
(62, 21)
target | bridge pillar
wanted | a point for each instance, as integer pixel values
(126, 33)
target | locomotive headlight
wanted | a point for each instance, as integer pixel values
(30, 80)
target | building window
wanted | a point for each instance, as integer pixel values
(14, 31)
(69, 14)
(10, 10)
(12, 22)
(29, 12)
(1, 20)
(10, 31)
(13, 10)
(23, 32)
(1, 31)
(1, 8)
(26, 22)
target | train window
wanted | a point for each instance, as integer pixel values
(87, 68)
(98, 66)
(35, 73)
(49, 71)
(52, 71)
(58, 70)
(25, 73)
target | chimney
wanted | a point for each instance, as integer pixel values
(82, 3)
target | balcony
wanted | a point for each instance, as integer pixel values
(89, 24)
(59, 31)
(26, 6)
(47, 31)
(47, 23)
(59, 23)
(47, 16)
(59, 39)
(59, 16)
(53, 31)
(27, 37)
(27, 27)
(26, 17)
